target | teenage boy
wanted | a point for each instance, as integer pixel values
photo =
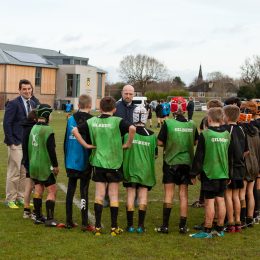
(178, 137)
(239, 149)
(77, 164)
(106, 133)
(27, 125)
(43, 165)
(211, 162)
(249, 109)
(139, 169)
(204, 125)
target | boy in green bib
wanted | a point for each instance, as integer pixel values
(105, 134)
(178, 137)
(138, 169)
(211, 161)
(43, 165)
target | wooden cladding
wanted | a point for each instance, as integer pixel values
(14, 74)
(48, 81)
(2, 78)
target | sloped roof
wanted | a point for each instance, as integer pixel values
(212, 86)
(10, 52)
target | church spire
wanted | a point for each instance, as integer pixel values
(200, 76)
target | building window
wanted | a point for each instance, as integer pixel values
(84, 62)
(99, 90)
(73, 85)
(77, 62)
(66, 61)
(201, 94)
(38, 76)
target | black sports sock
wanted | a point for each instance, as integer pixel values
(219, 228)
(141, 217)
(207, 230)
(183, 221)
(50, 204)
(84, 184)
(114, 214)
(98, 212)
(243, 215)
(130, 218)
(37, 203)
(72, 185)
(166, 214)
(258, 200)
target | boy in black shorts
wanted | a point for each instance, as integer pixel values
(27, 125)
(43, 165)
(211, 162)
(139, 169)
(248, 110)
(204, 125)
(178, 137)
(77, 164)
(106, 133)
(239, 149)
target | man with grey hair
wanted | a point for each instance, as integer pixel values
(125, 107)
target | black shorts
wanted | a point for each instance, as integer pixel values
(107, 175)
(50, 181)
(213, 187)
(213, 194)
(135, 185)
(178, 174)
(79, 174)
(236, 184)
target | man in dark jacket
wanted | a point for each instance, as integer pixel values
(190, 108)
(16, 111)
(125, 108)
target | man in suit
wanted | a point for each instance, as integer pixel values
(16, 111)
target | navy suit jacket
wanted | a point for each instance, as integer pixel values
(15, 113)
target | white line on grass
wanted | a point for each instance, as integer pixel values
(77, 203)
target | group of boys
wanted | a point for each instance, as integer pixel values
(162, 111)
(112, 150)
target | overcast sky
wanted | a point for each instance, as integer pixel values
(182, 34)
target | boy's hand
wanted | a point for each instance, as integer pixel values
(193, 180)
(55, 170)
(90, 146)
(228, 182)
(126, 145)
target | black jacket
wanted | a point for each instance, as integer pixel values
(125, 111)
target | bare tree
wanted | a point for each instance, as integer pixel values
(250, 70)
(218, 76)
(140, 70)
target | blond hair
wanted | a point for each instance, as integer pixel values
(214, 103)
(85, 101)
(216, 114)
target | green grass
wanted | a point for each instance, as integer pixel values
(21, 239)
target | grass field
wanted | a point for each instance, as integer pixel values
(21, 239)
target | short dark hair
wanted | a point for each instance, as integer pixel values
(107, 104)
(232, 101)
(25, 82)
(232, 112)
